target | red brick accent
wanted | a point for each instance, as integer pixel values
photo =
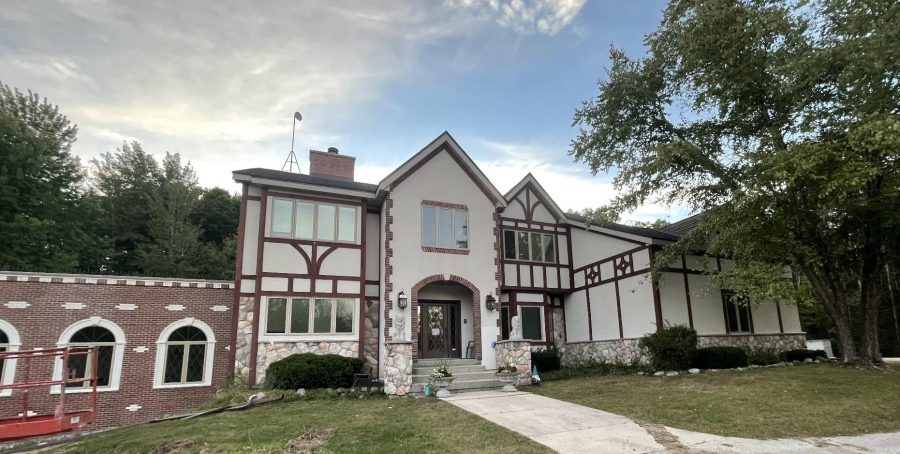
(414, 319)
(476, 310)
(443, 250)
(41, 324)
(331, 165)
(454, 206)
(388, 269)
(498, 265)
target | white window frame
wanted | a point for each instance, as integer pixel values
(530, 258)
(543, 325)
(9, 366)
(287, 336)
(115, 371)
(315, 233)
(437, 226)
(162, 344)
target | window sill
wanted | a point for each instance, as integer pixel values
(443, 250)
(180, 385)
(6, 393)
(348, 337)
(55, 390)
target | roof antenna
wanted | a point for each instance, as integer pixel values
(291, 160)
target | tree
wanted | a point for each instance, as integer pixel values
(779, 121)
(217, 214)
(40, 184)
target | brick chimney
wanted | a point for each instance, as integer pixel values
(331, 164)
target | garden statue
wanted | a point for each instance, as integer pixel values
(400, 327)
(515, 333)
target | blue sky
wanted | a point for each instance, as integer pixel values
(219, 81)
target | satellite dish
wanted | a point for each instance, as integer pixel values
(297, 116)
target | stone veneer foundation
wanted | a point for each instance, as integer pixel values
(269, 352)
(243, 338)
(627, 351)
(398, 367)
(370, 338)
(518, 353)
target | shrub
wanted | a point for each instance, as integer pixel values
(545, 360)
(670, 348)
(593, 369)
(311, 371)
(763, 356)
(801, 353)
(720, 358)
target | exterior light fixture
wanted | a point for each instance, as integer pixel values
(402, 300)
(490, 302)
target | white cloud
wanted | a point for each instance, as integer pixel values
(526, 17)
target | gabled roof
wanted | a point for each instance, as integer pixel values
(683, 226)
(631, 230)
(444, 142)
(545, 197)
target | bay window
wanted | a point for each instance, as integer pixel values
(307, 220)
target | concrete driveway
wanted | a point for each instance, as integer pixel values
(570, 428)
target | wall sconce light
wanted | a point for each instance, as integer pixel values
(402, 301)
(490, 302)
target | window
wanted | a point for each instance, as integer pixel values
(9, 342)
(314, 221)
(97, 340)
(286, 316)
(87, 342)
(185, 355)
(532, 319)
(737, 313)
(530, 246)
(504, 323)
(445, 227)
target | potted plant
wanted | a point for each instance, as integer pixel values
(442, 377)
(508, 374)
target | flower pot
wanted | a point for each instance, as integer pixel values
(442, 383)
(509, 379)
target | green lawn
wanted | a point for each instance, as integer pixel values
(806, 400)
(372, 425)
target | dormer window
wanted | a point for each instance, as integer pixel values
(529, 246)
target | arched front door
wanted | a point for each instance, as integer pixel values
(440, 331)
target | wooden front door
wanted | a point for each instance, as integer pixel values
(440, 330)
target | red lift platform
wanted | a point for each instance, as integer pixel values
(62, 420)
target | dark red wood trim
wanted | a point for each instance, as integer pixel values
(619, 309)
(587, 297)
(628, 240)
(778, 309)
(657, 301)
(239, 262)
(531, 274)
(531, 262)
(571, 258)
(462, 165)
(309, 265)
(309, 294)
(254, 198)
(275, 239)
(372, 282)
(614, 279)
(687, 291)
(613, 257)
(254, 338)
(362, 287)
(321, 259)
(518, 276)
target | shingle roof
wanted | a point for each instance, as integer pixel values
(683, 226)
(639, 231)
(307, 179)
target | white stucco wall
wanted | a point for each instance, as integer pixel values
(576, 317)
(673, 299)
(638, 311)
(604, 314)
(589, 247)
(441, 179)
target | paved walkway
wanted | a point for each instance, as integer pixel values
(570, 428)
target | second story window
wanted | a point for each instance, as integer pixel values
(529, 246)
(314, 220)
(445, 227)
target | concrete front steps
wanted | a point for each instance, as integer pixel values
(470, 375)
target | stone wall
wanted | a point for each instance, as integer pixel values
(243, 338)
(270, 352)
(559, 326)
(518, 353)
(623, 351)
(370, 338)
(398, 367)
(780, 342)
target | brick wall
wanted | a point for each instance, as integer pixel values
(142, 309)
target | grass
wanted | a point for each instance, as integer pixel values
(338, 426)
(783, 402)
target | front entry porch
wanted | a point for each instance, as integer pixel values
(444, 321)
(440, 330)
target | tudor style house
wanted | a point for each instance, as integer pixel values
(433, 262)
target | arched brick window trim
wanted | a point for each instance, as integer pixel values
(476, 309)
